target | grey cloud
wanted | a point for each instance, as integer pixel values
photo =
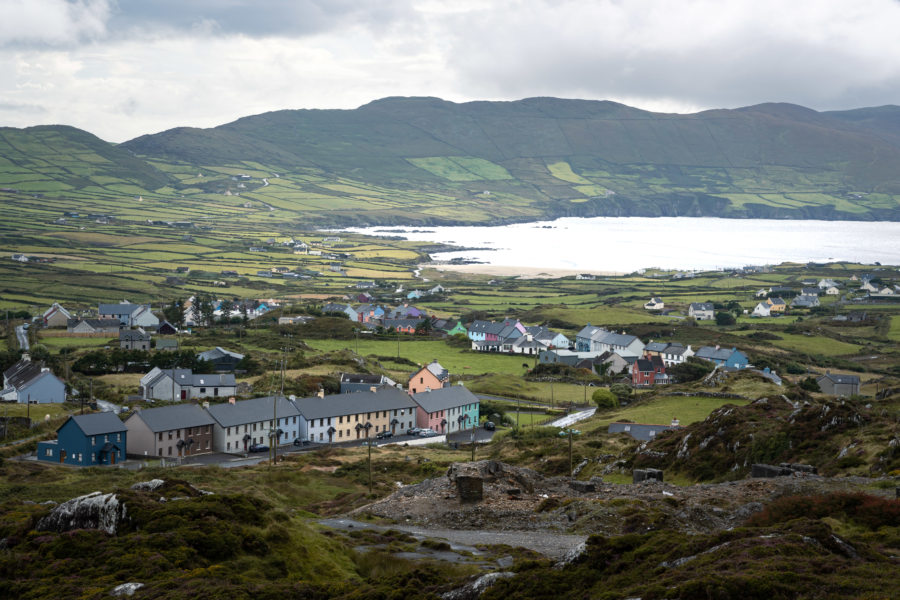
(22, 107)
(257, 18)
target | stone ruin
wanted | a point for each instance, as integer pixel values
(470, 479)
(639, 475)
(782, 470)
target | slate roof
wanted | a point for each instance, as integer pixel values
(445, 398)
(656, 346)
(218, 352)
(437, 370)
(604, 336)
(22, 373)
(117, 309)
(397, 323)
(176, 416)
(133, 335)
(841, 379)
(335, 405)
(644, 365)
(712, 353)
(361, 378)
(188, 377)
(98, 423)
(639, 431)
(95, 323)
(252, 411)
(702, 306)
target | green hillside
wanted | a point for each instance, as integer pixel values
(428, 161)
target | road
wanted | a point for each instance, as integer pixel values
(22, 337)
(573, 418)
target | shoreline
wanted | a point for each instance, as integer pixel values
(516, 271)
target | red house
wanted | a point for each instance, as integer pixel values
(648, 371)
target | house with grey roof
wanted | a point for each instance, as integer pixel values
(129, 315)
(110, 326)
(643, 432)
(134, 339)
(724, 357)
(702, 311)
(447, 410)
(86, 440)
(184, 384)
(31, 382)
(805, 301)
(836, 384)
(174, 431)
(343, 417)
(363, 382)
(240, 424)
(600, 340)
(223, 360)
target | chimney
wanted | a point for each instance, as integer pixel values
(321, 393)
(231, 400)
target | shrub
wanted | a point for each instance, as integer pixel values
(604, 398)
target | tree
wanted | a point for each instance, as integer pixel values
(690, 370)
(621, 390)
(810, 385)
(725, 318)
(604, 398)
(174, 312)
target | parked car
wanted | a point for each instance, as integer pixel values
(413, 431)
(299, 442)
(427, 433)
(489, 426)
(383, 435)
(258, 448)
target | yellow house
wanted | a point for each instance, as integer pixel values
(776, 305)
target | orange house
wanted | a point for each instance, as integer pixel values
(432, 377)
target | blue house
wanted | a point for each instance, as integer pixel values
(32, 382)
(87, 440)
(731, 358)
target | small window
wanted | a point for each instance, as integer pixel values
(94, 440)
(170, 451)
(118, 437)
(340, 433)
(48, 452)
(228, 445)
(228, 431)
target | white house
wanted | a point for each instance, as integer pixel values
(702, 311)
(158, 384)
(762, 310)
(655, 304)
(240, 424)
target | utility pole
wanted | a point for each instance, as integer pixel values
(274, 452)
(28, 409)
(473, 439)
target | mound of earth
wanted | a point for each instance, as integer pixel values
(520, 499)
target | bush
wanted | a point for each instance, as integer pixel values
(622, 391)
(604, 398)
(725, 318)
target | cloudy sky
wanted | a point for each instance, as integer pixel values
(121, 68)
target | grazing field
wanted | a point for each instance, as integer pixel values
(661, 410)
(815, 345)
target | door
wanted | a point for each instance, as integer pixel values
(184, 394)
(112, 457)
(62, 456)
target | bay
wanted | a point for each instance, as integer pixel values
(627, 244)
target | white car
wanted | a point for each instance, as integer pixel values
(427, 433)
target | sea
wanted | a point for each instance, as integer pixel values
(629, 244)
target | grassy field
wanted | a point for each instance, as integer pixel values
(457, 361)
(815, 345)
(662, 410)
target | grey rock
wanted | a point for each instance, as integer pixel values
(148, 486)
(474, 589)
(126, 589)
(91, 511)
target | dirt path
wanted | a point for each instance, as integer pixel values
(552, 545)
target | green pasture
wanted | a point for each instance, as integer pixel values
(456, 360)
(815, 345)
(56, 343)
(661, 410)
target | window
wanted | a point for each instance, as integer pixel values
(340, 419)
(421, 380)
(105, 438)
(228, 445)
(340, 433)
(376, 429)
(170, 437)
(368, 416)
(48, 452)
(206, 429)
(118, 437)
(159, 452)
(207, 443)
(294, 421)
(202, 390)
(170, 451)
(228, 431)
(329, 420)
(254, 427)
(357, 418)
(320, 436)
(94, 440)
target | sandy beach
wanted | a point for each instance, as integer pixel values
(515, 271)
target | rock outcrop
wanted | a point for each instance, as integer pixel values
(92, 511)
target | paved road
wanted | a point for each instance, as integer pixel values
(22, 337)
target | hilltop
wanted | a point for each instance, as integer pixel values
(429, 161)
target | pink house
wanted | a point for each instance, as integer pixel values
(446, 410)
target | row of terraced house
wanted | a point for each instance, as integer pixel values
(188, 429)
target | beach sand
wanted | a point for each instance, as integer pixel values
(515, 271)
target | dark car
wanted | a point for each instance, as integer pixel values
(299, 442)
(383, 435)
(413, 431)
(258, 448)
(489, 426)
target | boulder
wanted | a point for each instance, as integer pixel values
(92, 511)
(639, 475)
